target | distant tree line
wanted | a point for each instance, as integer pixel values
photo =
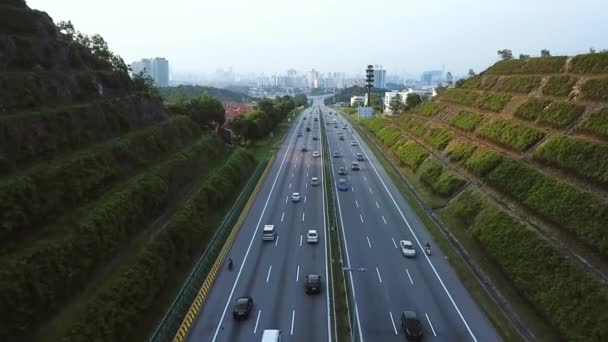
(266, 115)
(180, 93)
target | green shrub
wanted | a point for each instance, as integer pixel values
(595, 89)
(459, 150)
(540, 65)
(443, 183)
(415, 126)
(36, 278)
(473, 82)
(429, 108)
(482, 161)
(570, 298)
(593, 63)
(512, 66)
(519, 84)
(411, 154)
(579, 212)
(466, 120)
(495, 102)
(510, 134)
(532, 108)
(461, 96)
(40, 194)
(388, 135)
(467, 206)
(560, 114)
(560, 85)
(584, 158)
(115, 308)
(597, 123)
(488, 81)
(438, 137)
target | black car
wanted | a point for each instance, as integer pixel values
(242, 308)
(412, 327)
(299, 134)
(313, 284)
(307, 129)
(315, 138)
(342, 171)
(341, 137)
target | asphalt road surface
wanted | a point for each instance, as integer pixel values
(374, 216)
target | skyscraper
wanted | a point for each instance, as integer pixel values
(379, 77)
(157, 68)
(313, 79)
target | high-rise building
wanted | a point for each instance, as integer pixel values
(431, 77)
(157, 69)
(313, 79)
(379, 77)
(291, 78)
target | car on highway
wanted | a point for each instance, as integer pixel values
(355, 166)
(313, 284)
(271, 335)
(353, 143)
(360, 156)
(315, 138)
(295, 197)
(304, 118)
(344, 127)
(342, 171)
(307, 129)
(342, 185)
(316, 154)
(269, 232)
(338, 132)
(316, 119)
(314, 181)
(304, 148)
(341, 137)
(407, 248)
(299, 134)
(411, 325)
(242, 308)
(336, 154)
(312, 236)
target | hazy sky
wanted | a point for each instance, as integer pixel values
(336, 35)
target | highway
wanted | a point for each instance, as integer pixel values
(272, 272)
(375, 217)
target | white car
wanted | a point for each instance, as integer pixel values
(314, 181)
(353, 143)
(295, 197)
(312, 236)
(407, 248)
(316, 154)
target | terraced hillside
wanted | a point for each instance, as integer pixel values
(516, 161)
(104, 198)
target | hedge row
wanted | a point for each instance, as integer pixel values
(482, 161)
(584, 158)
(593, 63)
(572, 300)
(558, 114)
(518, 84)
(42, 193)
(438, 137)
(532, 108)
(459, 150)
(581, 213)
(466, 120)
(560, 85)
(443, 183)
(510, 134)
(489, 101)
(597, 123)
(541, 65)
(388, 135)
(595, 89)
(472, 82)
(36, 279)
(462, 96)
(429, 108)
(411, 154)
(111, 313)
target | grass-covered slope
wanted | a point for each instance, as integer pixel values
(534, 134)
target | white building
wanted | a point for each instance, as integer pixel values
(389, 96)
(360, 100)
(313, 79)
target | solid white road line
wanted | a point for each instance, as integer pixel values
(257, 320)
(393, 321)
(255, 233)
(293, 317)
(282, 216)
(268, 275)
(298, 274)
(377, 206)
(302, 217)
(276, 242)
(300, 240)
(378, 273)
(383, 219)
(409, 276)
(409, 226)
(368, 242)
(431, 324)
(394, 243)
(361, 217)
(357, 203)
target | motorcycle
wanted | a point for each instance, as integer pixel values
(230, 264)
(428, 250)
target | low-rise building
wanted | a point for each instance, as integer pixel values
(359, 100)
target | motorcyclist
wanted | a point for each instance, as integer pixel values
(428, 248)
(229, 263)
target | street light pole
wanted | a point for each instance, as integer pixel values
(353, 336)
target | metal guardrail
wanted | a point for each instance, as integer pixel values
(170, 323)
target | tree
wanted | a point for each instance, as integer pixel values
(522, 56)
(545, 53)
(396, 104)
(300, 100)
(591, 50)
(207, 111)
(449, 79)
(505, 54)
(459, 82)
(144, 84)
(412, 100)
(471, 73)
